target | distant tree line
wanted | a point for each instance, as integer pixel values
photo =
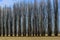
(32, 19)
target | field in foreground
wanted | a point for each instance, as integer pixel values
(29, 38)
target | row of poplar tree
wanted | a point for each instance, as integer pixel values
(31, 18)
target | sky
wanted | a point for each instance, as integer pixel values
(10, 2)
(7, 2)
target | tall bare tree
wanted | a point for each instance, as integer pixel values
(0, 21)
(3, 24)
(23, 15)
(42, 19)
(38, 22)
(24, 19)
(11, 21)
(49, 17)
(56, 17)
(29, 19)
(7, 21)
(35, 18)
(15, 18)
(19, 19)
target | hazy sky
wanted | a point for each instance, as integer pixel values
(10, 2)
(7, 2)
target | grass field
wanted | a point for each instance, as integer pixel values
(29, 38)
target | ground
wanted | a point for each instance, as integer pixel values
(29, 38)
